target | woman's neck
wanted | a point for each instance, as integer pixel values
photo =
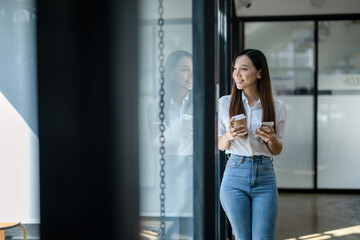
(252, 95)
(178, 97)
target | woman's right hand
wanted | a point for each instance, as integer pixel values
(233, 132)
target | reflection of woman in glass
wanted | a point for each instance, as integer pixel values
(178, 138)
(248, 190)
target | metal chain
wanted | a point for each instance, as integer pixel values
(162, 118)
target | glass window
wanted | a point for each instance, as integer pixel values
(338, 115)
(178, 110)
(289, 48)
(19, 142)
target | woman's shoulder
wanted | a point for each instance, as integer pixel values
(279, 104)
(225, 98)
(224, 104)
(278, 101)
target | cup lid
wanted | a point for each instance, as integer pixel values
(239, 117)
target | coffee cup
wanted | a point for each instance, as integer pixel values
(240, 120)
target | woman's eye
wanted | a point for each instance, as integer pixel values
(243, 69)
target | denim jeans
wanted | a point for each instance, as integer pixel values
(249, 197)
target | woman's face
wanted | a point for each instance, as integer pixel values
(183, 74)
(245, 74)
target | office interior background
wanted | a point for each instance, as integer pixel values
(79, 109)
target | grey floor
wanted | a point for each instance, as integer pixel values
(305, 217)
(32, 232)
(318, 216)
(301, 217)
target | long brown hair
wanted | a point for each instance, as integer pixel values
(263, 85)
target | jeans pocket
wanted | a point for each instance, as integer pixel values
(268, 166)
(233, 163)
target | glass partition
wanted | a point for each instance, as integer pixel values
(338, 115)
(289, 48)
(178, 121)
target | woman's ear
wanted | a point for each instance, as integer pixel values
(259, 74)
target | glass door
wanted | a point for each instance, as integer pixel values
(338, 114)
(289, 48)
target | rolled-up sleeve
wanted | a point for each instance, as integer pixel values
(280, 120)
(221, 124)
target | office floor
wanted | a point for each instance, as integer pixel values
(32, 232)
(307, 217)
(318, 216)
(301, 217)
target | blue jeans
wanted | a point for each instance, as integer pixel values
(249, 197)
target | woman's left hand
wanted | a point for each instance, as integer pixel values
(267, 134)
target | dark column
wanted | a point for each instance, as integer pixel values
(87, 97)
(224, 35)
(204, 24)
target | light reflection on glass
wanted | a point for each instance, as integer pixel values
(178, 119)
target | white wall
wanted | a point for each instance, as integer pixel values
(19, 167)
(296, 7)
(19, 143)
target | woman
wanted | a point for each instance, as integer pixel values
(248, 191)
(178, 140)
(178, 106)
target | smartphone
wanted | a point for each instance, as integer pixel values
(264, 124)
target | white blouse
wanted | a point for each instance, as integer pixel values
(252, 145)
(182, 143)
(176, 143)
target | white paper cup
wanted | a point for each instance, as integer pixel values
(240, 120)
